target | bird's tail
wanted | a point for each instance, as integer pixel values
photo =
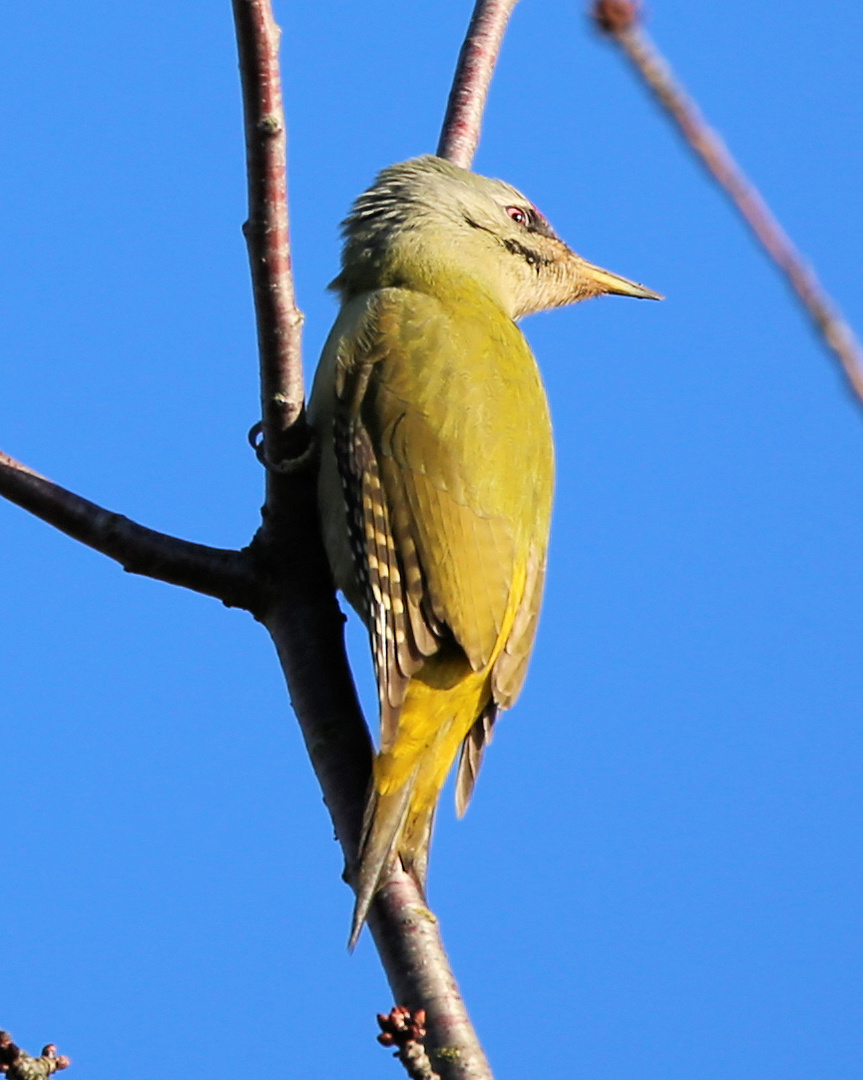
(408, 779)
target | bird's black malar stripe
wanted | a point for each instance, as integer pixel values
(531, 257)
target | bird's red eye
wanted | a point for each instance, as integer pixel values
(517, 214)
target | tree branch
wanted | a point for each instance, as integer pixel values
(279, 321)
(459, 136)
(619, 19)
(303, 618)
(405, 1029)
(228, 575)
(420, 975)
(307, 628)
(283, 577)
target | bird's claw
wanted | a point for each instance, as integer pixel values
(286, 466)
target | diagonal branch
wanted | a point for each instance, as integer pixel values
(230, 576)
(619, 19)
(227, 575)
(424, 978)
(476, 62)
(307, 629)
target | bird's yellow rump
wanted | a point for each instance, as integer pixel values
(437, 472)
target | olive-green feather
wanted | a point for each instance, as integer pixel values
(436, 472)
(443, 393)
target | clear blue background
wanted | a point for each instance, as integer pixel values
(660, 877)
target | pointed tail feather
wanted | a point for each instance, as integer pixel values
(384, 820)
(408, 779)
(470, 759)
(398, 823)
(415, 843)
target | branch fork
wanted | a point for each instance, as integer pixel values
(283, 577)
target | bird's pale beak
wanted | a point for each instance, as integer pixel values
(606, 282)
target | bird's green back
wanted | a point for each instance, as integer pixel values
(450, 397)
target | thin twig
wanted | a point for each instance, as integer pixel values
(228, 575)
(459, 136)
(279, 320)
(619, 19)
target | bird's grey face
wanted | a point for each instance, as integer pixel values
(505, 236)
(428, 207)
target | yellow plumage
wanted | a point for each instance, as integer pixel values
(437, 472)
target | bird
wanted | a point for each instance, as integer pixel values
(436, 474)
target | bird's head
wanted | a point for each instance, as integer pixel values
(426, 223)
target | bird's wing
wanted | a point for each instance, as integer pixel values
(397, 644)
(511, 665)
(436, 530)
(507, 678)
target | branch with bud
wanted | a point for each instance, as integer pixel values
(406, 1031)
(17, 1064)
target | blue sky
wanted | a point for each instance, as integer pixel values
(659, 877)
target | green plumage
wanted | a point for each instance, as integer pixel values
(437, 471)
(452, 403)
